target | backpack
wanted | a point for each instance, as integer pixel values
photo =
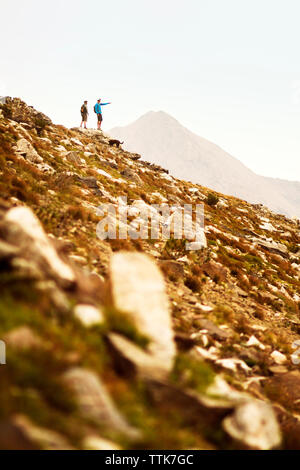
(95, 109)
(83, 109)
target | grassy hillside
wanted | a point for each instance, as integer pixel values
(234, 305)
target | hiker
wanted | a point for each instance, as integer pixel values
(84, 114)
(98, 111)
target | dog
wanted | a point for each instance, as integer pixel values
(116, 142)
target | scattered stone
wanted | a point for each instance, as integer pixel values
(253, 341)
(73, 157)
(78, 259)
(212, 329)
(76, 141)
(278, 357)
(272, 246)
(94, 402)
(211, 354)
(194, 246)
(23, 338)
(203, 308)
(26, 150)
(233, 364)
(278, 369)
(90, 182)
(253, 425)
(45, 168)
(94, 442)
(88, 315)
(183, 259)
(131, 175)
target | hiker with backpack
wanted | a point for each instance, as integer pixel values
(84, 114)
(98, 111)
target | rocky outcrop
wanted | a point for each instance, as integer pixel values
(137, 288)
(24, 230)
(18, 111)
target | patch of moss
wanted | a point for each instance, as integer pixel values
(122, 323)
(192, 373)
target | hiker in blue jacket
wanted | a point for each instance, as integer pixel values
(98, 111)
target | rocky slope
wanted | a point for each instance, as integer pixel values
(137, 344)
(164, 141)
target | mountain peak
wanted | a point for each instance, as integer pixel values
(158, 115)
(163, 140)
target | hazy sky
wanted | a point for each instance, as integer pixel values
(229, 70)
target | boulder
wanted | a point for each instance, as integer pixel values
(212, 329)
(24, 230)
(272, 246)
(131, 175)
(23, 338)
(253, 425)
(131, 360)
(138, 288)
(73, 157)
(278, 357)
(94, 402)
(45, 168)
(90, 182)
(26, 150)
(88, 315)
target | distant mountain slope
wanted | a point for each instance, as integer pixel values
(162, 139)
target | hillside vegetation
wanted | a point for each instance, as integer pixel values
(138, 344)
